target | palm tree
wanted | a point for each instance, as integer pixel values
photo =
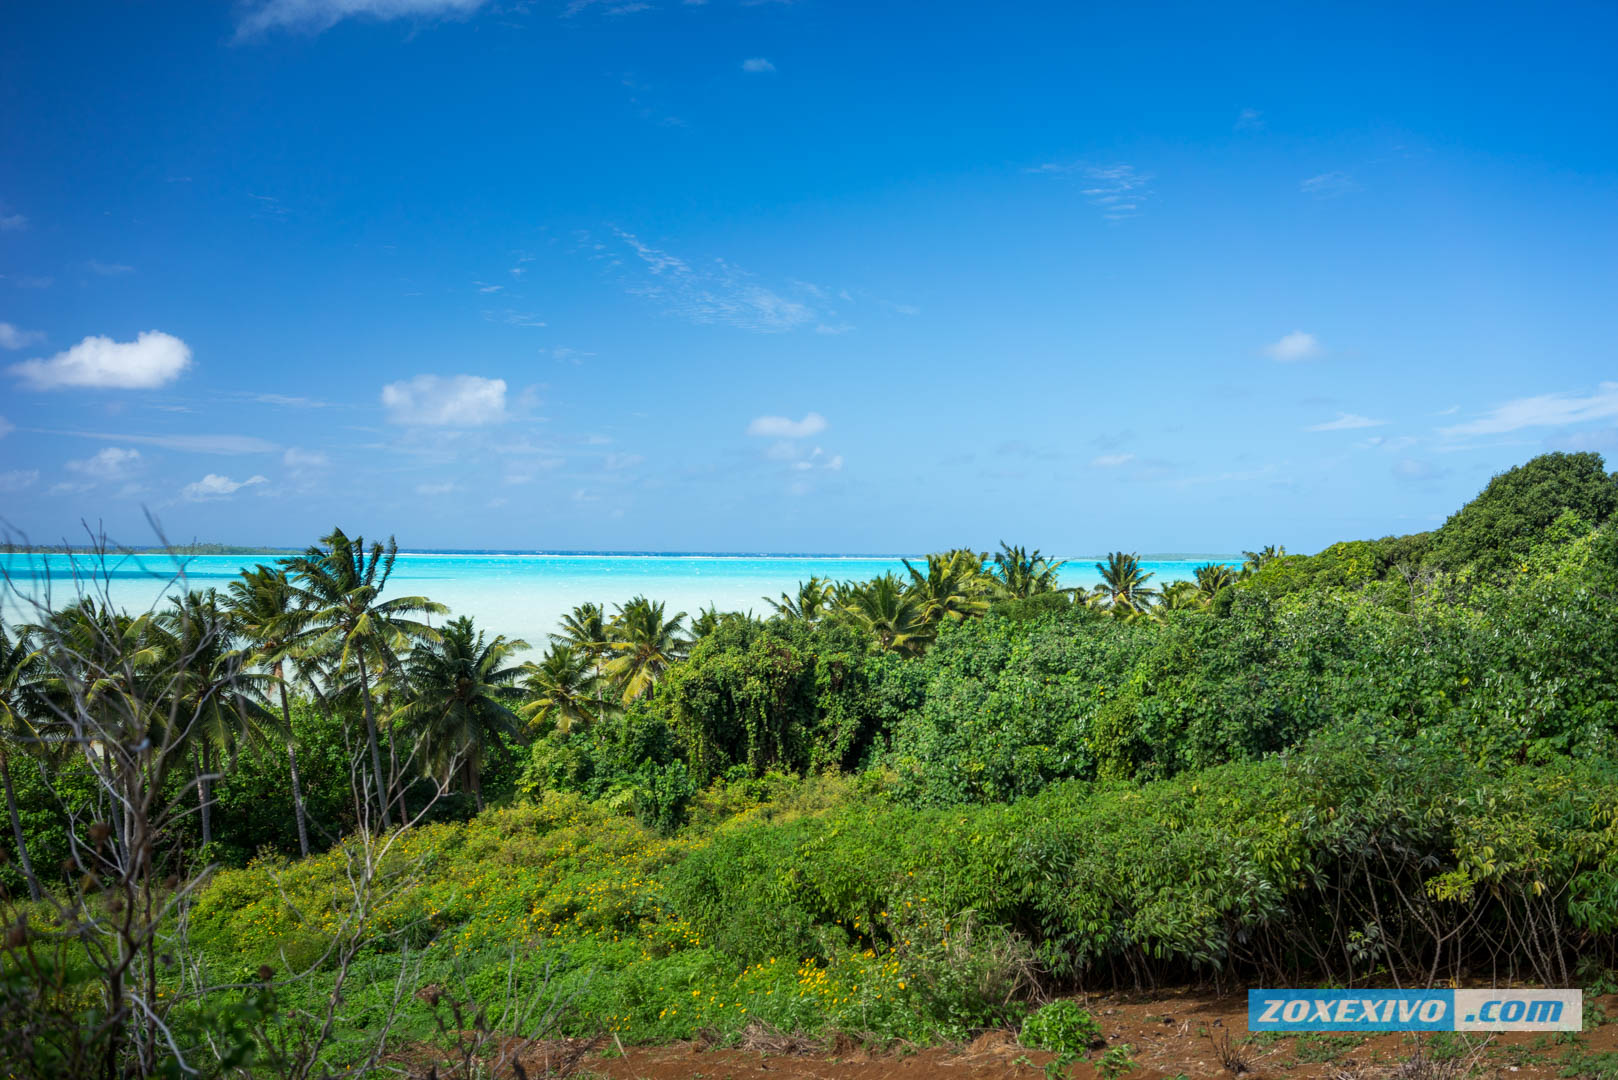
(814, 600)
(952, 588)
(889, 612)
(340, 586)
(585, 628)
(105, 696)
(460, 695)
(1179, 596)
(265, 608)
(643, 645)
(19, 665)
(1123, 583)
(707, 621)
(210, 692)
(1211, 577)
(1022, 573)
(563, 689)
(1253, 561)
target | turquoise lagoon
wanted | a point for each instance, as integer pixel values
(520, 595)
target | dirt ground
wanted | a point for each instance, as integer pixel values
(1169, 1036)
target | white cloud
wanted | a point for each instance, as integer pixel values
(17, 479)
(214, 486)
(13, 338)
(1294, 347)
(622, 461)
(12, 222)
(195, 444)
(314, 16)
(6, 427)
(151, 360)
(1328, 185)
(1347, 422)
(112, 463)
(288, 401)
(757, 64)
(1117, 190)
(446, 401)
(1545, 410)
(719, 293)
(96, 266)
(298, 458)
(1387, 445)
(781, 427)
(442, 488)
(1112, 461)
(1249, 120)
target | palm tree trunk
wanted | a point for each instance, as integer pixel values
(16, 826)
(204, 796)
(394, 783)
(292, 760)
(383, 797)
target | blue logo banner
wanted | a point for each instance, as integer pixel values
(1415, 1010)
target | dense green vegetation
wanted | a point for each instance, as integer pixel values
(897, 807)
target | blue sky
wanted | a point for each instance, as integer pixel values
(803, 276)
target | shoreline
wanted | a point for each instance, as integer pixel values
(715, 556)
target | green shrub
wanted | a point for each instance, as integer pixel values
(1115, 1062)
(1495, 532)
(1062, 1028)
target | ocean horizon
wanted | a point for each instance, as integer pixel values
(521, 594)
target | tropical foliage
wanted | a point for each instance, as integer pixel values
(458, 693)
(353, 633)
(910, 806)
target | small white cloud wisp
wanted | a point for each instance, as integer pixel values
(445, 401)
(1347, 422)
(111, 463)
(782, 427)
(313, 16)
(214, 486)
(1542, 410)
(12, 337)
(1294, 347)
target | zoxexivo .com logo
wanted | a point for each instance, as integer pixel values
(1415, 1010)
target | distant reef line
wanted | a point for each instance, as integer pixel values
(252, 549)
(172, 549)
